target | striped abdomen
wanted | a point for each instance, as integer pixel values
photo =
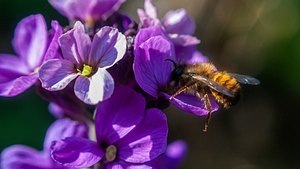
(230, 83)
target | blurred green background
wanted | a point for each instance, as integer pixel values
(260, 38)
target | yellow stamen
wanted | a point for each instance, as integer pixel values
(86, 71)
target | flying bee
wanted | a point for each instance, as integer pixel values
(202, 80)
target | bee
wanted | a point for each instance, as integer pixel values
(203, 80)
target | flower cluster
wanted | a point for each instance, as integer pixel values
(105, 77)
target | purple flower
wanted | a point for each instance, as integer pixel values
(179, 22)
(174, 22)
(33, 46)
(153, 72)
(127, 135)
(148, 15)
(86, 62)
(177, 25)
(23, 157)
(87, 10)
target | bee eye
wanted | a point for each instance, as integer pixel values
(179, 70)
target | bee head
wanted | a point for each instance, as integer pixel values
(178, 69)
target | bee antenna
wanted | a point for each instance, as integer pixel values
(174, 63)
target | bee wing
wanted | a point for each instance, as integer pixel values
(215, 86)
(244, 79)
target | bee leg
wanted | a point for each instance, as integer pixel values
(182, 89)
(209, 109)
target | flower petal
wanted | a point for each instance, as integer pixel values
(11, 68)
(151, 69)
(98, 87)
(12, 63)
(56, 110)
(75, 44)
(17, 85)
(53, 46)
(56, 74)
(147, 140)
(109, 46)
(30, 40)
(194, 58)
(104, 8)
(23, 157)
(148, 15)
(150, 9)
(189, 55)
(110, 122)
(76, 152)
(191, 104)
(184, 40)
(147, 33)
(64, 128)
(179, 22)
(124, 165)
(73, 9)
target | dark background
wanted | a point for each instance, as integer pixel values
(260, 38)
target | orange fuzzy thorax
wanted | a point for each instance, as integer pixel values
(201, 69)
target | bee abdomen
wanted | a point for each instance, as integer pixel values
(231, 84)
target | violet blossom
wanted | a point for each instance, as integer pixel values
(23, 157)
(86, 10)
(174, 22)
(33, 46)
(86, 61)
(153, 72)
(177, 25)
(86, 67)
(127, 135)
